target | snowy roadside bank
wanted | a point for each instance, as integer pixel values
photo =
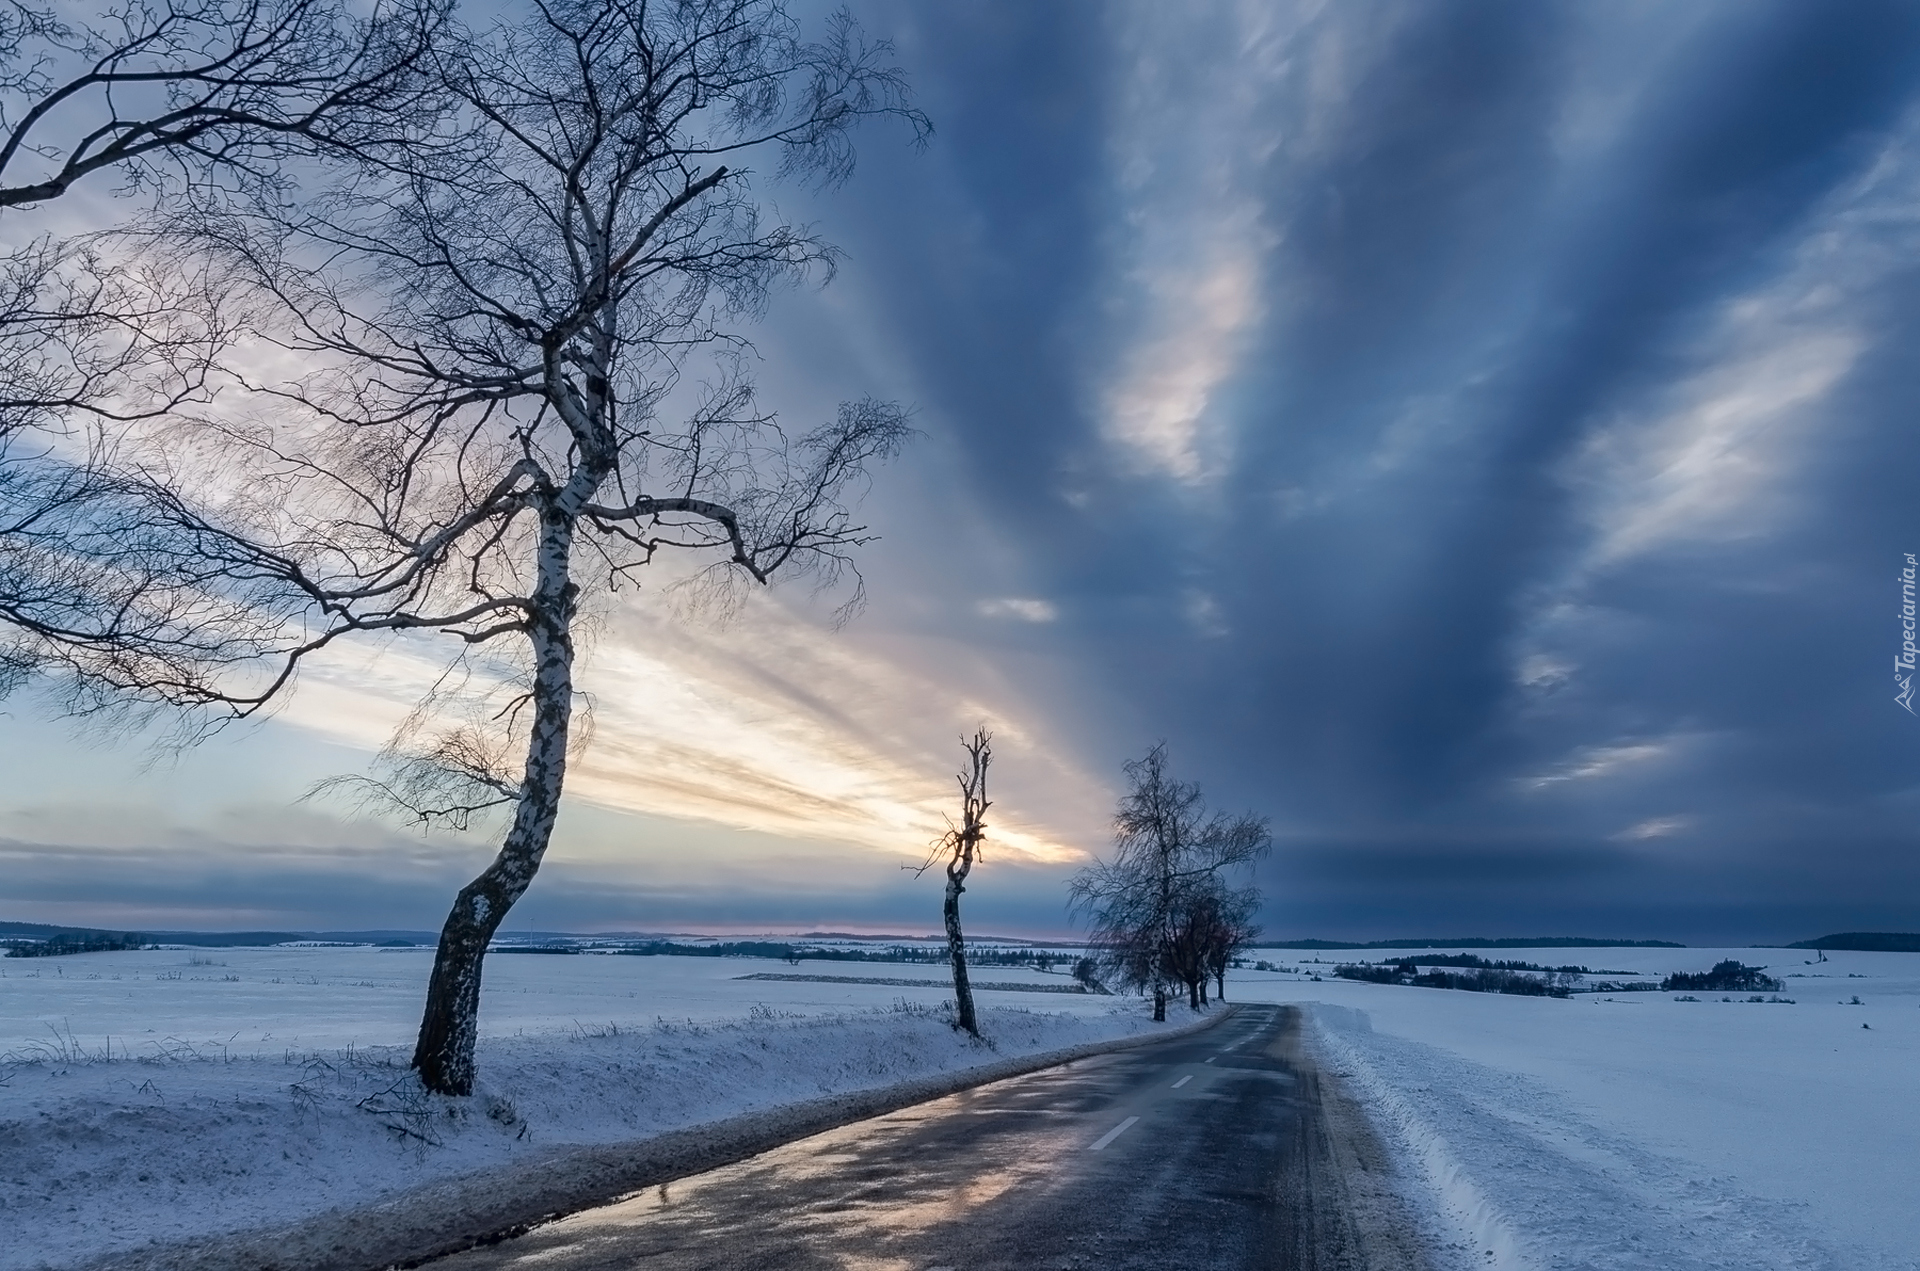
(332, 1159)
(1644, 1130)
(1515, 1179)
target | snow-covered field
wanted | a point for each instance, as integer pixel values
(1624, 1130)
(175, 1094)
(1632, 1130)
(264, 1001)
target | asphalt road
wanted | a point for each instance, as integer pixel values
(1216, 1151)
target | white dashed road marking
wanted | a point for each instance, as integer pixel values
(1112, 1134)
(1183, 1081)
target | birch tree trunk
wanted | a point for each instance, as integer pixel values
(450, 1025)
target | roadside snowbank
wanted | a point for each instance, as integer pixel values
(102, 1156)
(1644, 1130)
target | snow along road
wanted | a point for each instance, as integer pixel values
(1219, 1150)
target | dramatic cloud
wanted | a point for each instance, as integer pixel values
(1478, 436)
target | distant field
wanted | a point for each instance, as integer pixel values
(261, 1001)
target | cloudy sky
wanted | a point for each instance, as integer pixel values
(1480, 437)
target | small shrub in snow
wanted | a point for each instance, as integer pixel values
(1087, 972)
(503, 1112)
(761, 1013)
(407, 1109)
(583, 1031)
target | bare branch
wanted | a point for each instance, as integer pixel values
(225, 84)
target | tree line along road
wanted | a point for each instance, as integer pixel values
(1219, 1150)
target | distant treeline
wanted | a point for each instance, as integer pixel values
(1475, 976)
(1511, 942)
(76, 942)
(1466, 972)
(1469, 960)
(774, 949)
(806, 953)
(13, 932)
(787, 952)
(1866, 942)
(810, 938)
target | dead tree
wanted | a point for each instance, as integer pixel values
(1169, 854)
(961, 845)
(499, 311)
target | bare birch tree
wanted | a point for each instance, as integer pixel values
(961, 845)
(1147, 905)
(494, 317)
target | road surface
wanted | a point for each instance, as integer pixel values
(1212, 1152)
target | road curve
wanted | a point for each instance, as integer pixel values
(1211, 1152)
